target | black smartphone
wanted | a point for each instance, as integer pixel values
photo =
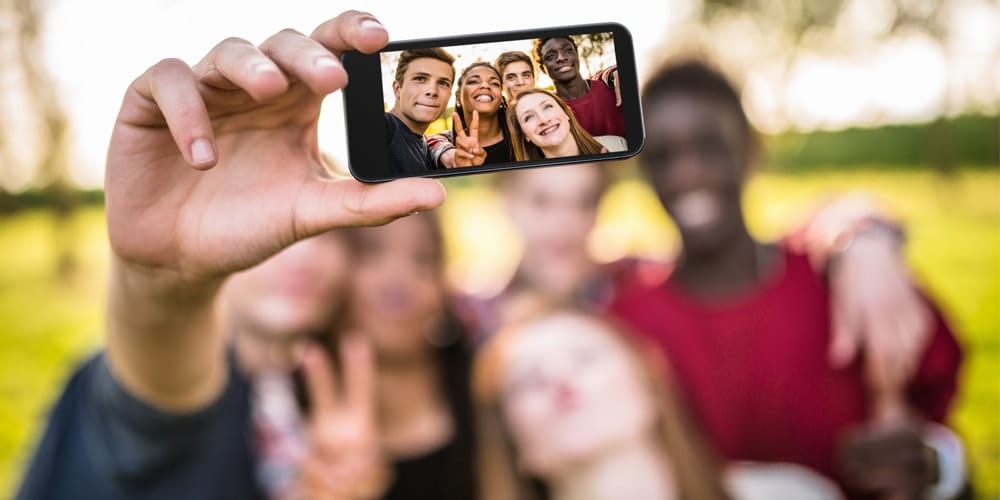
(487, 102)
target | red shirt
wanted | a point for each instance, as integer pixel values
(596, 110)
(755, 370)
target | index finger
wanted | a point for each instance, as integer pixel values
(359, 375)
(352, 30)
(457, 120)
(321, 382)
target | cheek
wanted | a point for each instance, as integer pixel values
(527, 416)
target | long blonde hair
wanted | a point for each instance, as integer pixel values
(525, 150)
(695, 467)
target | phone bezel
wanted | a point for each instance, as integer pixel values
(364, 104)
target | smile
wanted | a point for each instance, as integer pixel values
(483, 98)
(549, 129)
(564, 69)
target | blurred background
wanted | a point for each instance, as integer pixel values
(897, 98)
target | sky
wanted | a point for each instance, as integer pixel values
(94, 49)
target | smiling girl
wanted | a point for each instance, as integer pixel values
(479, 124)
(544, 127)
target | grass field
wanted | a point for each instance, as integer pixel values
(49, 321)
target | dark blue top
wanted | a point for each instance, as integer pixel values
(408, 152)
(102, 442)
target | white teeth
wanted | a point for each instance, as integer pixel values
(484, 98)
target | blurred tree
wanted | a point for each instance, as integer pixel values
(39, 115)
(592, 46)
(25, 76)
(786, 30)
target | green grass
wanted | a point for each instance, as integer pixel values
(48, 323)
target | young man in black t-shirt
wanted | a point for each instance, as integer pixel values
(202, 183)
(422, 86)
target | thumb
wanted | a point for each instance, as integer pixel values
(843, 346)
(325, 204)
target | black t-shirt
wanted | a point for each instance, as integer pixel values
(408, 152)
(102, 442)
(449, 472)
(499, 152)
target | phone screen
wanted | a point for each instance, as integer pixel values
(459, 105)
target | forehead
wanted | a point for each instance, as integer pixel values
(532, 100)
(516, 67)
(581, 180)
(685, 113)
(556, 44)
(481, 72)
(434, 67)
(557, 337)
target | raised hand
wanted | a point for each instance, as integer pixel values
(215, 167)
(468, 153)
(344, 461)
(212, 169)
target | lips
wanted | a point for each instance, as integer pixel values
(484, 96)
(548, 129)
(565, 69)
(697, 209)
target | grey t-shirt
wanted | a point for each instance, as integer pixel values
(102, 442)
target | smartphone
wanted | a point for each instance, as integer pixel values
(459, 105)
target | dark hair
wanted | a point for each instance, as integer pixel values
(409, 56)
(700, 79)
(539, 42)
(513, 56)
(501, 113)
(524, 150)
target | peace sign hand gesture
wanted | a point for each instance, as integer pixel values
(468, 153)
(344, 461)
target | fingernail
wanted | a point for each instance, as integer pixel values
(369, 24)
(263, 68)
(325, 62)
(202, 152)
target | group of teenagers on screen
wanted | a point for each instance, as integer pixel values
(500, 115)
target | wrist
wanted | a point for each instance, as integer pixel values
(870, 232)
(948, 462)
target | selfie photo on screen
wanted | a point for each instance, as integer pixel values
(502, 102)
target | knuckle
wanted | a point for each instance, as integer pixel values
(233, 41)
(168, 65)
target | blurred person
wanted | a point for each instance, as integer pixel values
(593, 101)
(422, 84)
(746, 325)
(272, 311)
(399, 302)
(516, 71)
(543, 126)
(212, 169)
(583, 408)
(479, 133)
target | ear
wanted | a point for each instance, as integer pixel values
(395, 88)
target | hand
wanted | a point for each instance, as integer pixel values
(344, 461)
(447, 159)
(609, 76)
(213, 168)
(467, 150)
(876, 310)
(889, 459)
